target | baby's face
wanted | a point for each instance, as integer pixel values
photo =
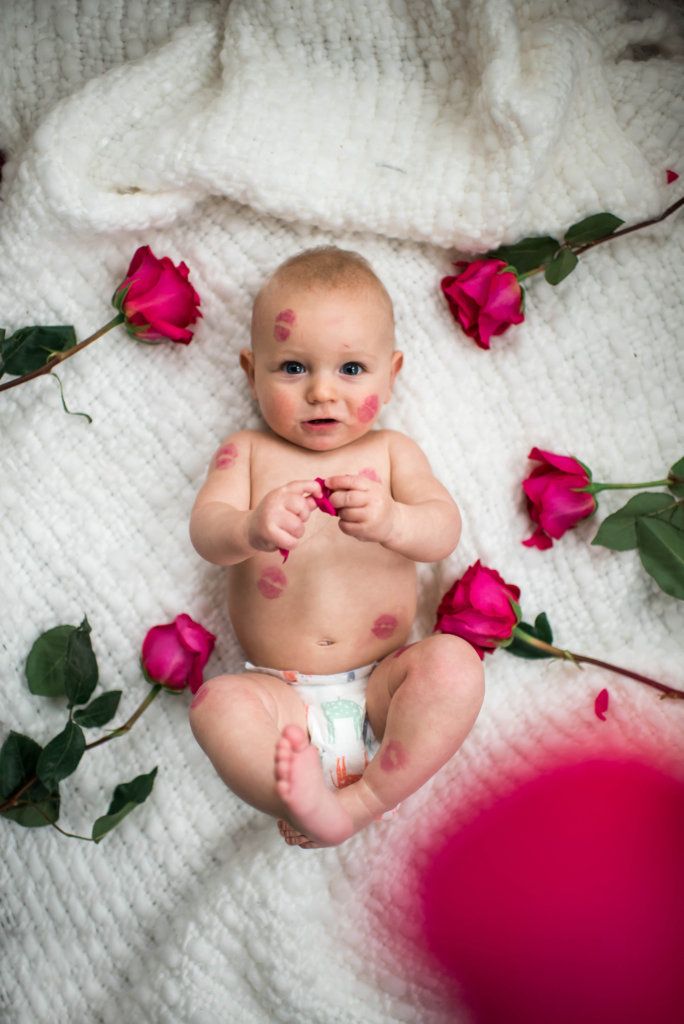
(323, 364)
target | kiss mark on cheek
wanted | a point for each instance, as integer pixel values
(384, 626)
(370, 473)
(394, 756)
(225, 456)
(368, 409)
(272, 582)
(200, 696)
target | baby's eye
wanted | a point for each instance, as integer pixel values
(292, 368)
(352, 369)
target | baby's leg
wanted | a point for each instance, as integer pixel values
(253, 729)
(237, 720)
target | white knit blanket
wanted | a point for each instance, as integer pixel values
(231, 136)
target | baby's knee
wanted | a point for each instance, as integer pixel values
(453, 661)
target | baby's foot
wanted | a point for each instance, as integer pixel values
(314, 811)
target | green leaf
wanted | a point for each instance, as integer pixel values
(127, 796)
(541, 630)
(618, 531)
(99, 711)
(29, 348)
(676, 474)
(562, 264)
(80, 670)
(528, 254)
(599, 225)
(46, 663)
(18, 759)
(61, 756)
(661, 549)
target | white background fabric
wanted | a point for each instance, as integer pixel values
(231, 136)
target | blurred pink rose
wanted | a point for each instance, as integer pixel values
(486, 298)
(157, 298)
(553, 501)
(478, 608)
(175, 654)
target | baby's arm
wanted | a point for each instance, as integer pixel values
(223, 528)
(416, 516)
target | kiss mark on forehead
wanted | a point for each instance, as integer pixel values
(225, 456)
(272, 582)
(370, 473)
(394, 756)
(368, 409)
(286, 316)
(384, 626)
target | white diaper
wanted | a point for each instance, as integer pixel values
(336, 719)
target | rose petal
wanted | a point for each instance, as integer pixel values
(601, 705)
(538, 540)
(564, 463)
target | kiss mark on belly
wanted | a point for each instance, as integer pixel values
(393, 757)
(384, 626)
(368, 409)
(225, 456)
(370, 473)
(199, 696)
(272, 582)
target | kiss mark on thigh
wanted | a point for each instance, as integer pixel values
(394, 756)
(225, 456)
(272, 582)
(384, 626)
(404, 648)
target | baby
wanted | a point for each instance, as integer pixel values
(335, 720)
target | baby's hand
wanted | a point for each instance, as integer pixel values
(365, 508)
(279, 518)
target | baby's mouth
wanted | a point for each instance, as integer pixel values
(322, 421)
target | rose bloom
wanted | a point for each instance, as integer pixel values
(157, 298)
(478, 608)
(175, 654)
(553, 501)
(485, 298)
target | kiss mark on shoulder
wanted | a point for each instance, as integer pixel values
(225, 456)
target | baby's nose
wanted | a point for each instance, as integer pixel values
(321, 388)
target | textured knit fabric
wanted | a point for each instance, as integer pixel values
(230, 136)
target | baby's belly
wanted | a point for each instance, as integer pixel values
(325, 617)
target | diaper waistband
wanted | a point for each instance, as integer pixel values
(294, 677)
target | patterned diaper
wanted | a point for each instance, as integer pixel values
(336, 719)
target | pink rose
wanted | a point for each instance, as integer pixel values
(486, 298)
(553, 499)
(480, 607)
(157, 298)
(175, 654)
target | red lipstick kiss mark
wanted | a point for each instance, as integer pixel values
(393, 757)
(272, 582)
(384, 626)
(225, 456)
(199, 696)
(368, 409)
(370, 473)
(287, 316)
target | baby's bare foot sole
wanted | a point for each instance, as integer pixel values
(314, 811)
(293, 837)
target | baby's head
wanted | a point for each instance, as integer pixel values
(322, 361)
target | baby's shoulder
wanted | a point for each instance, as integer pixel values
(398, 444)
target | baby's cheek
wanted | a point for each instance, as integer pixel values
(368, 408)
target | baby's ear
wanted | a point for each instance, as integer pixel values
(247, 364)
(397, 363)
